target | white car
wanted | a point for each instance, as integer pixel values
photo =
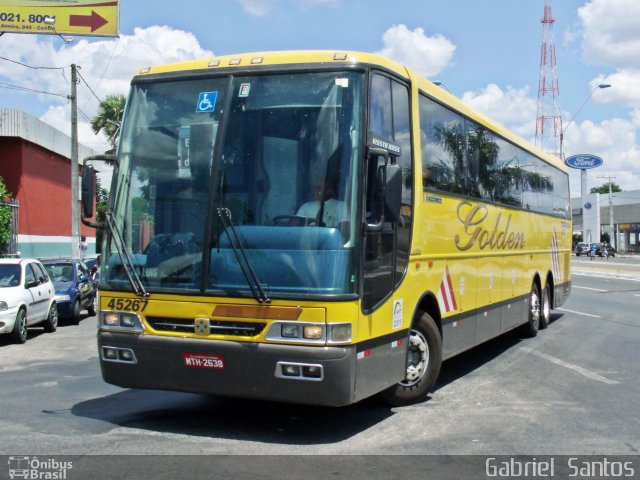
(27, 298)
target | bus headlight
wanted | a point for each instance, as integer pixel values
(4, 307)
(313, 332)
(298, 332)
(121, 321)
(290, 330)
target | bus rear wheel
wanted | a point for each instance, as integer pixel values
(424, 358)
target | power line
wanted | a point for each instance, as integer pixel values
(31, 66)
(84, 115)
(115, 47)
(25, 89)
(89, 87)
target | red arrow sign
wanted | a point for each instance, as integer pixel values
(94, 21)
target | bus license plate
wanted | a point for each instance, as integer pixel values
(203, 360)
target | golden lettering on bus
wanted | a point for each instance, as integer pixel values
(495, 237)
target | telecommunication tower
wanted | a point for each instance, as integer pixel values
(549, 121)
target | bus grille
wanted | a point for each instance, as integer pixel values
(216, 327)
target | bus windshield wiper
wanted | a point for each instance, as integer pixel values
(224, 214)
(125, 258)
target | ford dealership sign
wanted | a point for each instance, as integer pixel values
(583, 162)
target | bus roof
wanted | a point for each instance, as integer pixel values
(292, 57)
(345, 57)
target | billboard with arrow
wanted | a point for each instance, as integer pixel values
(60, 17)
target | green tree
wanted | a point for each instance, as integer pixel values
(5, 216)
(109, 118)
(604, 188)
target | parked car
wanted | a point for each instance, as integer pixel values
(600, 251)
(74, 289)
(27, 298)
(582, 248)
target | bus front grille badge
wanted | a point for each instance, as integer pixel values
(201, 326)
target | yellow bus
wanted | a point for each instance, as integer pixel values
(318, 227)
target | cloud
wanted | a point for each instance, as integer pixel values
(625, 88)
(610, 32)
(107, 66)
(510, 106)
(615, 140)
(427, 55)
(332, 3)
(258, 8)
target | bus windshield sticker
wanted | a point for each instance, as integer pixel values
(184, 163)
(432, 199)
(244, 90)
(392, 148)
(206, 102)
(342, 82)
(397, 314)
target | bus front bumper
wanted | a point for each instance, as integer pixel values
(288, 373)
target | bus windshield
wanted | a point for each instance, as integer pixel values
(262, 167)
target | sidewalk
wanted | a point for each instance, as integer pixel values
(624, 265)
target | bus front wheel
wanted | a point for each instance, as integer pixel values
(424, 357)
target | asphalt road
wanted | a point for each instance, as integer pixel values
(573, 389)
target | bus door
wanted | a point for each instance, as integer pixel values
(387, 231)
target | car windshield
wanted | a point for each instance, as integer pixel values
(276, 185)
(60, 272)
(10, 275)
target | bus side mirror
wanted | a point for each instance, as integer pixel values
(88, 191)
(88, 187)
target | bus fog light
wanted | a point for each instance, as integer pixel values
(291, 370)
(312, 332)
(341, 332)
(126, 355)
(290, 331)
(312, 371)
(110, 353)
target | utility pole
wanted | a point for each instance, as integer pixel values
(75, 217)
(613, 234)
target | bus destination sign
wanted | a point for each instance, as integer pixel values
(583, 161)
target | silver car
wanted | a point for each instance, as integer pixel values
(27, 298)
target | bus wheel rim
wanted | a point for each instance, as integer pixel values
(546, 307)
(535, 309)
(417, 358)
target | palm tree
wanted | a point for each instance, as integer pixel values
(109, 118)
(496, 178)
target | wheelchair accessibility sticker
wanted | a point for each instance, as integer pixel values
(206, 102)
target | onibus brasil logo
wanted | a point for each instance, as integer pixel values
(38, 469)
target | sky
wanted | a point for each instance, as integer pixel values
(487, 53)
